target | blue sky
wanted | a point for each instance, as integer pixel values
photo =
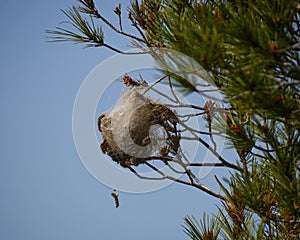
(46, 192)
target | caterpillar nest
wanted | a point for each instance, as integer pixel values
(138, 128)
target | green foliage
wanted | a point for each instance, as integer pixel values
(88, 32)
(207, 229)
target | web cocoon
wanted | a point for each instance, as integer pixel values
(139, 128)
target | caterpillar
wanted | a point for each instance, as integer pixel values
(116, 198)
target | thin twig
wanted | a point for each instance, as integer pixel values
(153, 84)
(186, 127)
(140, 32)
(172, 90)
(219, 157)
(186, 106)
(98, 15)
(143, 177)
(191, 176)
(173, 169)
(182, 155)
(211, 136)
(198, 185)
(164, 95)
(258, 155)
(263, 149)
(191, 115)
(119, 51)
(206, 165)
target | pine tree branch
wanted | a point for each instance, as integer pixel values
(122, 52)
(119, 12)
(99, 16)
(196, 185)
(219, 157)
(134, 23)
(144, 177)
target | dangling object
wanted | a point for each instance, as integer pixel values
(138, 128)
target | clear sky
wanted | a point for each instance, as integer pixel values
(45, 190)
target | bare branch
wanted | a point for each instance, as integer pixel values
(172, 90)
(206, 165)
(219, 157)
(143, 177)
(134, 23)
(186, 106)
(198, 185)
(121, 52)
(153, 84)
(98, 15)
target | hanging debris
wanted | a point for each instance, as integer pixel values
(138, 128)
